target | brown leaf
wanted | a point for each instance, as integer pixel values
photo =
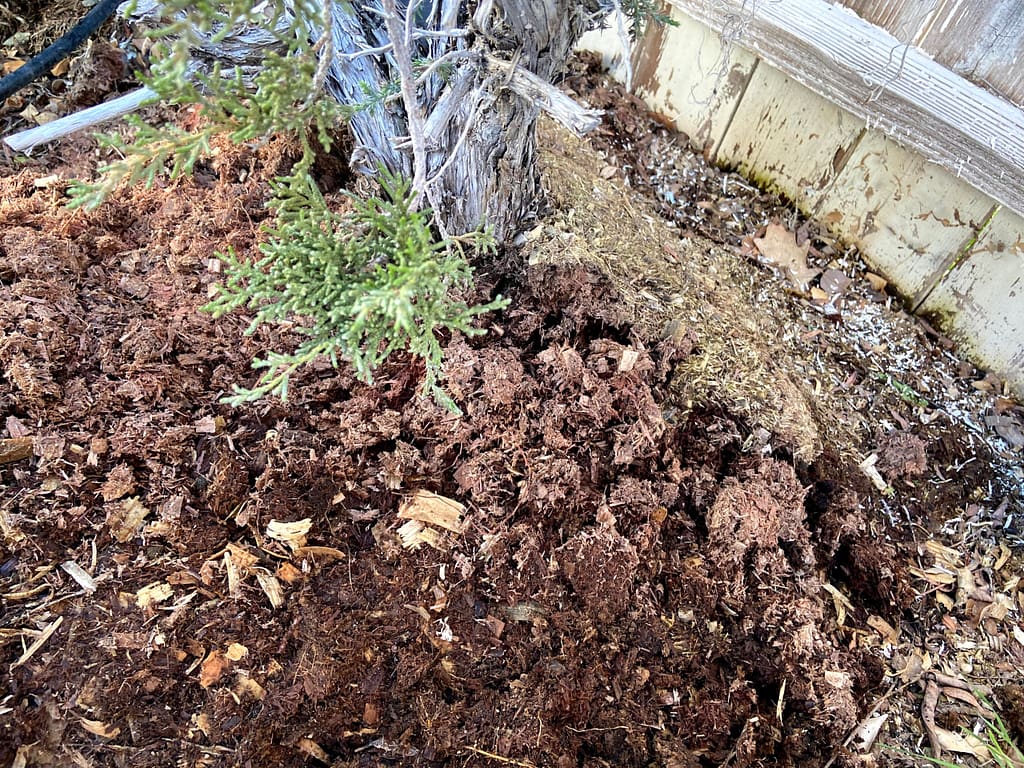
(778, 248)
(99, 728)
(878, 282)
(834, 282)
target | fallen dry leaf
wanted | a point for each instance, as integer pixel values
(120, 482)
(833, 282)
(864, 737)
(99, 728)
(779, 249)
(877, 282)
(313, 749)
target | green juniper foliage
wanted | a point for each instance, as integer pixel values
(642, 12)
(369, 282)
(362, 284)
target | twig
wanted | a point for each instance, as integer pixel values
(401, 42)
(419, 34)
(38, 642)
(324, 47)
(500, 759)
(627, 58)
(931, 698)
(536, 90)
(437, 63)
(462, 136)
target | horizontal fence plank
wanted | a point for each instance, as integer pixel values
(893, 87)
(787, 138)
(980, 302)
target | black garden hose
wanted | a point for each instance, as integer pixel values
(59, 49)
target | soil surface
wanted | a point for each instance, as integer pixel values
(645, 541)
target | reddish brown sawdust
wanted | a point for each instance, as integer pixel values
(633, 588)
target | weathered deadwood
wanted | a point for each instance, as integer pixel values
(478, 121)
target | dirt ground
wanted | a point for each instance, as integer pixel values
(646, 542)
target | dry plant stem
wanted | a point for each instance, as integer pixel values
(401, 40)
(325, 49)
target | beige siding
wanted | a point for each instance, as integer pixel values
(788, 138)
(909, 217)
(981, 301)
(689, 76)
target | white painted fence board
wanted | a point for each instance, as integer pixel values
(607, 42)
(910, 218)
(693, 78)
(894, 87)
(981, 302)
(788, 138)
(685, 73)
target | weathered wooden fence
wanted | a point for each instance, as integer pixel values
(895, 150)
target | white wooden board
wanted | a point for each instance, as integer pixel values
(981, 301)
(897, 88)
(909, 217)
(787, 138)
(684, 73)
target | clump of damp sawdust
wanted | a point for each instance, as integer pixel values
(681, 288)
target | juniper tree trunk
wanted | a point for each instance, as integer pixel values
(480, 112)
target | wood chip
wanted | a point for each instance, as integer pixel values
(39, 642)
(271, 587)
(124, 518)
(80, 575)
(432, 509)
(15, 449)
(313, 749)
(292, 533)
(328, 552)
(153, 593)
(236, 652)
(213, 668)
